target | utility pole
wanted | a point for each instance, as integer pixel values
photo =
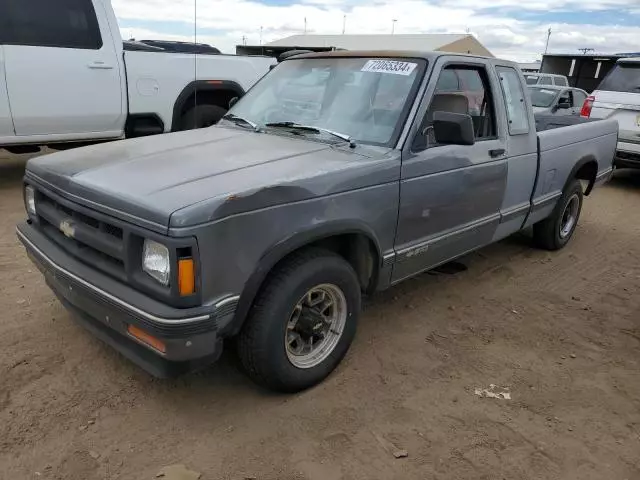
(344, 23)
(305, 25)
(393, 26)
(260, 35)
(546, 48)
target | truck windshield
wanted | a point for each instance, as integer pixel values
(542, 97)
(365, 99)
(624, 77)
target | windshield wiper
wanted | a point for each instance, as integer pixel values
(312, 129)
(241, 121)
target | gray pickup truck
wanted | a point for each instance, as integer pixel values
(337, 175)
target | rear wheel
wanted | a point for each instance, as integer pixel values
(302, 323)
(554, 232)
(201, 116)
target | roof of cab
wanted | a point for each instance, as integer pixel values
(381, 54)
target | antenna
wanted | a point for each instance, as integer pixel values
(195, 57)
(546, 48)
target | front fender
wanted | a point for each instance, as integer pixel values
(280, 250)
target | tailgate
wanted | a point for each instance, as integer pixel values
(623, 107)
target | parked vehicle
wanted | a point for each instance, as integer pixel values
(182, 47)
(556, 100)
(546, 79)
(66, 77)
(269, 229)
(618, 98)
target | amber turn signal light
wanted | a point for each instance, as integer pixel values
(144, 337)
(186, 277)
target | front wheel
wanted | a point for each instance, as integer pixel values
(554, 232)
(302, 323)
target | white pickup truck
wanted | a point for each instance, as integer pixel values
(66, 77)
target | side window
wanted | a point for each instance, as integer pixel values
(47, 23)
(517, 114)
(565, 97)
(448, 82)
(464, 90)
(545, 81)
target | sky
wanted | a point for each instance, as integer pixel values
(512, 29)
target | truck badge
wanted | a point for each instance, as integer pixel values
(67, 228)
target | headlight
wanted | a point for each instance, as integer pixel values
(30, 199)
(156, 261)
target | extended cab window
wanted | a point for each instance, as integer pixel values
(49, 23)
(460, 89)
(517, 114)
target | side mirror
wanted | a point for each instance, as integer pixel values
(233, 101)
(453, 128)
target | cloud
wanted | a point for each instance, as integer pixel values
(225, 23)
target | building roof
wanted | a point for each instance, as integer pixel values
(425, 42)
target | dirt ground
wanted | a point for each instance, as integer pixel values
(560, 331)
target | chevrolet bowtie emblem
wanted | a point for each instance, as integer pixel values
(67, 228)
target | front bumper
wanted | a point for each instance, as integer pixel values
(107, 308)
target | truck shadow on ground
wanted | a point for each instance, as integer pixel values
(627, 179)
(11, 170)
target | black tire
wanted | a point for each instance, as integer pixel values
(548, 233)
(261, 344)
(201, 116)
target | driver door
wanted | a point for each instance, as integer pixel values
(450, 195)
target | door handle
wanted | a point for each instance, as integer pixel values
(497, 152)
(100, 66)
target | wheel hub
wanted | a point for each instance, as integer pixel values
(570, 216)
(315, 326)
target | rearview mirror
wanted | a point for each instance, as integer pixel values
(453, 128)
(233, 101)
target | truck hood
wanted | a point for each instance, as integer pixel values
(219, 171)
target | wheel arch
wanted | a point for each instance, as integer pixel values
(353, 240)
(216, 92)
(585, 169)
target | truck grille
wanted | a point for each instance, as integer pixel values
(90, 239)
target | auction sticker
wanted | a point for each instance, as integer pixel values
(389, 66)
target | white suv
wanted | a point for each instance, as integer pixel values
(618, 97)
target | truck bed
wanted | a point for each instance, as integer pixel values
(561, 149)
(548, 122)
